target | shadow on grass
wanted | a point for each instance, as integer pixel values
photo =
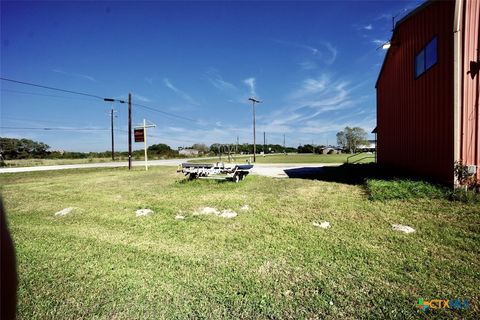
(354, 174)
(204, 180)
(379, 182)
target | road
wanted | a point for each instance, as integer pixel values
(276, 170)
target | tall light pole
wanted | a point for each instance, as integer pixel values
(254, 136)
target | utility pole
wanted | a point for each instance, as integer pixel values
(236, 147)
(112, 112)
(113, 138)
(129, 131)
(284, 151)
(145, 142)
(254, 135)
(264, 143)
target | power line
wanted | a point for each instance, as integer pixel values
(39, 94)
(171, 139)
(57, 121)
(55, 129)
(52, 88)
(97, 97)
(164, 112)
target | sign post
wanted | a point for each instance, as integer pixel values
(145, 143)
(141, 136)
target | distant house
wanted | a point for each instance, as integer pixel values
(330, 150)
(188, 152)
(368, 147)
(428, 91)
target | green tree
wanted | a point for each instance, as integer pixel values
(202, 148)
(351, 138)
(160, 149)
(22, 148)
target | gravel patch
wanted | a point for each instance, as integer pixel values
(402, 228)
(322, 224)
(64, 212)
(143, 212)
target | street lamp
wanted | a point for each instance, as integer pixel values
(254, 136)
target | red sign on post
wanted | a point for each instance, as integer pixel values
(139, 135)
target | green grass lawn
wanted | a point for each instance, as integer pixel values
(295, 158)
(54, 162)
(268, 262)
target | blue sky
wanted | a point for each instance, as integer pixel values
(314, 65)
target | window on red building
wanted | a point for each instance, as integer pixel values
(426, 58)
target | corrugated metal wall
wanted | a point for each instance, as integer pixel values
(415, 116)
(470, 115)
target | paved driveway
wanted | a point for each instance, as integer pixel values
(276, 170)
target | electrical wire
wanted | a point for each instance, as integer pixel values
(164, 112)
(40, 94)
(55, 129)
(52, 88)
(97, 97)
(172, 139)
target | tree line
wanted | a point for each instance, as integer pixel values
(348, 139)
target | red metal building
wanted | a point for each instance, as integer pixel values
(428, 91)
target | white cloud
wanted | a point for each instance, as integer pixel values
(250, 82)
(315, 99)
(149, 80)
(368, 27)
(176, 129)
(311, 86)
(179, 92)
(333, 53)
(326, 52)
(76, 75)
(308, 65)
(141, 98)
(218, 82)
(378, 42)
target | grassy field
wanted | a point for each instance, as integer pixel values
(290, 158)
(295, 158)
(54, 162)
(101, 261)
